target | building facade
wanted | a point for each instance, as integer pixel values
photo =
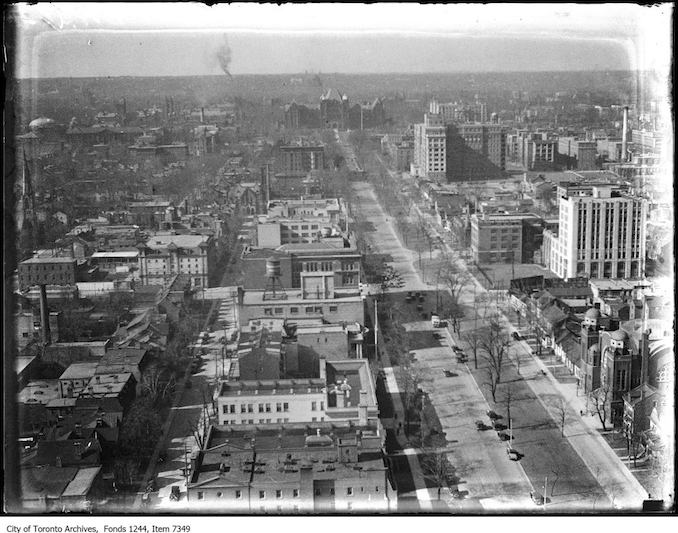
(163, 256)
(601, 233)
(429, 148)
(47, 271)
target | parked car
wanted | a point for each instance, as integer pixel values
(435, 320)
(481, 426)
(514, 455)
(537, 497)
(493, 415)
(449, 374)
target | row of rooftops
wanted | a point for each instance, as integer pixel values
(278, 453)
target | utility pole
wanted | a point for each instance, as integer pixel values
(376, 330)
(186, 468)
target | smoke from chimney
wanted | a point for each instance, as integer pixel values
(224, 57)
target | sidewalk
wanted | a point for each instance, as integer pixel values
(582, 432)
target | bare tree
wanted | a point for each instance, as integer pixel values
(600, 399)
(198, 430)
(454, 279)
(152, 385)
(473, 339)
(494, 345)
(509, 397)
(437, 468)
(411, 378)
(560, 408)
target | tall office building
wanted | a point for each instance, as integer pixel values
(429, 147)
(601, 233)
(475, 151)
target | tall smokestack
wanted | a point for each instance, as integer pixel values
(44, 315)
(625, 129)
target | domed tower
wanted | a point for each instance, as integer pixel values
(590, 349)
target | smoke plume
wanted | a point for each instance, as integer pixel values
(224, 57)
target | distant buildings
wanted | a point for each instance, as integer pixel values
(601, 234)
(475, 151)
(164, 255)
(47, 271)
(430, 158)
(533, 150)
(578, 153)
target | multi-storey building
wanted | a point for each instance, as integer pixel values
(165, 255)
(505, 238)
(601, 233)
(342, 392)
(429, 147)
(578, 153)
(300, 159)
(475, 151)
(47, 271)
(292, 468)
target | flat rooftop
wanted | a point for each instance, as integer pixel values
(251, 297)
(619, 284)
(47, 260)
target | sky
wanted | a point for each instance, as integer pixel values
(75, 40)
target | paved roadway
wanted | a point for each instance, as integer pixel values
(488, 476)
(581, 472)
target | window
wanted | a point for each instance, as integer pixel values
(295, 493)
(333, 308)
(349, 491)
(268, 407)
(309, 309)
(286, 407)
(238, 494)
(219, 494)
(224, 409)
(261, 420)
(201, 495)
(294, 310)
(332, 491)
(232, 408)
(261, 407)
(318, 309)
(262, 494)
(250, 421)
(278, 310)
(317, 492)
(268, 311)
(278, 494)
(376, 489)
(322, 406)
(278, 407)
(314, 406)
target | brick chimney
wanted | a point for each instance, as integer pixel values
(362, 408)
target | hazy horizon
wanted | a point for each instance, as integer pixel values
(161, 40)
